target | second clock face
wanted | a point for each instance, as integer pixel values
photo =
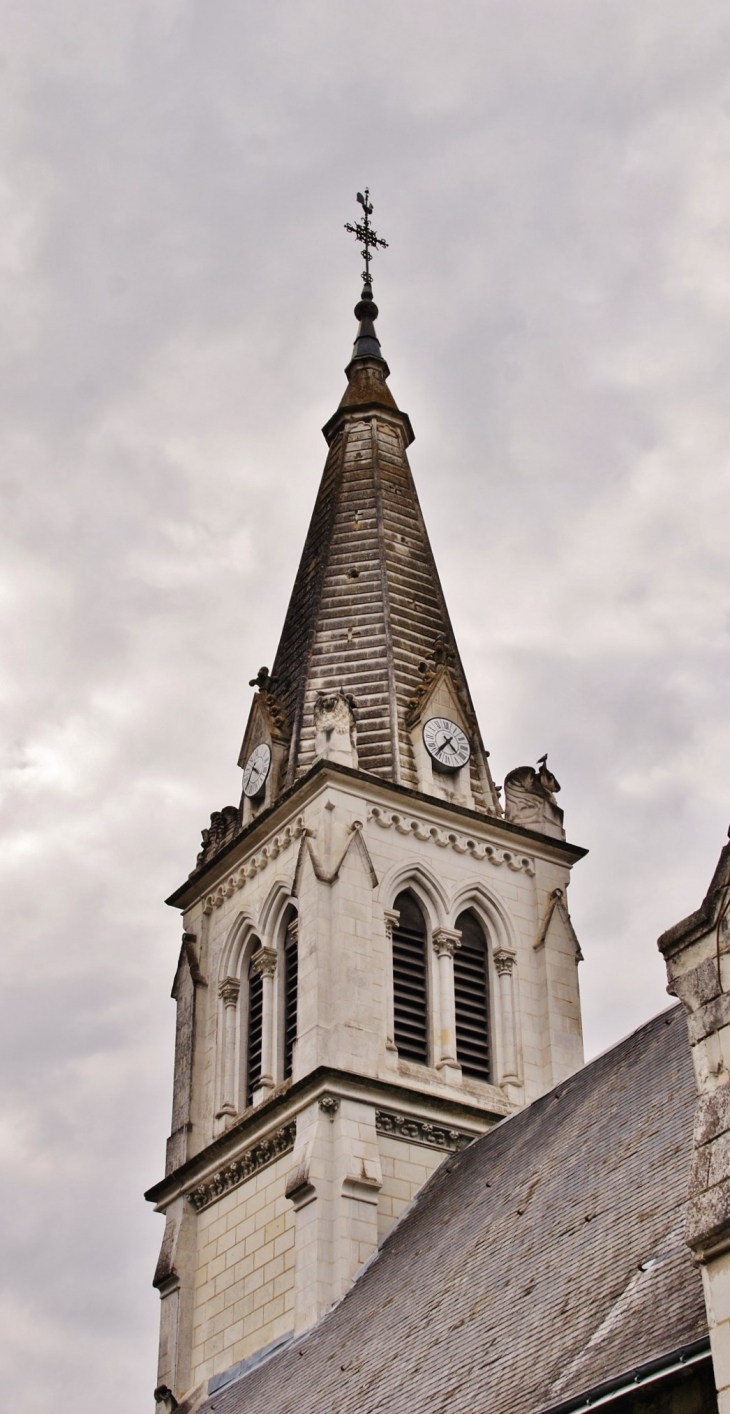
(256, 769)
(446, 743)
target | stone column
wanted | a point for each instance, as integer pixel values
(264, 961)
(445, 943)
(228, 992)
(392, 917)
(504, 964)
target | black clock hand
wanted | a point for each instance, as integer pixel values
(448, 742)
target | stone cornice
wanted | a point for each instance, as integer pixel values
(248, 1163)
(362, 412)
(328, 772)
(268, 1150)
(258, 1124)
(420, 1131)
(449, 839)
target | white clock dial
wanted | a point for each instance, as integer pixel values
(256, 769)
(446, 743)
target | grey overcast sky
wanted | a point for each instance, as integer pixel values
(553, 177)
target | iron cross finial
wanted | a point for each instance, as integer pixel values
(363, 231)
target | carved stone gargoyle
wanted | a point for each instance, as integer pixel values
(529, 799)
(335, 733)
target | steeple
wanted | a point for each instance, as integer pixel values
(376, 964)
(367, 617)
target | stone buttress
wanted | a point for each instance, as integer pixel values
(697, 954)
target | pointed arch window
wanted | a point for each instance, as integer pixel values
(254, 1033)
(291, 980)
(410, 996)
(471, 997)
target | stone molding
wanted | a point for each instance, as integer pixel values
(330, 875)
(254, 865)
(450, 839)
(421, 1131)
(557, 903)
(257, 1157)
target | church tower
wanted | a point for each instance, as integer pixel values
(377, 959)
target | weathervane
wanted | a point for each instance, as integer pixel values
(362, 231)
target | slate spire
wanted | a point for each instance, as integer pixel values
(367, 616)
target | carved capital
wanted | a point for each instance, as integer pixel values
(504, 962)
(446, 941)
(329, 1105)
(264, 962)
(392, 919)
(228, 991)
(292, 929)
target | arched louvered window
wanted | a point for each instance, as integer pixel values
(471, 996)
(254, 1032)
(291, 975)
(409, 981)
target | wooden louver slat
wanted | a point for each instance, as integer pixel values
(409, 981)
(472, 999)
(255, 1027)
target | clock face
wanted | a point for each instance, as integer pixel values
(256, 769)
(446, 743)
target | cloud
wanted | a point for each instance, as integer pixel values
(176, 295)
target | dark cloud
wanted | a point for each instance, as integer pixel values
(176, 295)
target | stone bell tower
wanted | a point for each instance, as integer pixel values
(377, 960)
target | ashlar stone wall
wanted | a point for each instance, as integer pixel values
(244, 1272)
